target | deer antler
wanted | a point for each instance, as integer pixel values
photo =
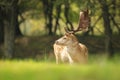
(83, 24)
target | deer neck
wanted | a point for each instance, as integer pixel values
(73, 48)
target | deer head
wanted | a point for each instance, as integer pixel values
(67, 39)
(83, 23)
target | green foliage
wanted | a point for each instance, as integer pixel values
(35, 9)
(30, 8)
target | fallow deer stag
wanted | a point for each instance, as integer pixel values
(67, 49)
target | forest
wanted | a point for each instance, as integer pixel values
(29, 28)
(22, 21)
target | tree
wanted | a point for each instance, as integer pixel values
(48, 9)
(48, 13)
(17, 29)
(108, 30)
(9, 26)
(66, 13)
(58, 12)
(1, 26)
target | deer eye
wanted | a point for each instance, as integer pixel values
(64, 38)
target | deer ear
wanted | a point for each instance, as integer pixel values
(74, 39)
(67, 34)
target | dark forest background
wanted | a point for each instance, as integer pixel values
(28, 28)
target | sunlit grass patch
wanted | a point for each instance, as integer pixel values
(32, 70)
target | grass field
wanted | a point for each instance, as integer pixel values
(36, 70)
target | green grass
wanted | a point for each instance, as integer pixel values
(32, 70)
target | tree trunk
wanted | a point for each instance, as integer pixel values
(50, 16)
(48, 12)
(1, 27)
(66, 13)
(9, 24)
(17, 29)
(108, 30)
(45, 11)
(1, 33)
(58, 11)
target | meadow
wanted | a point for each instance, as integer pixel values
(96, 69)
